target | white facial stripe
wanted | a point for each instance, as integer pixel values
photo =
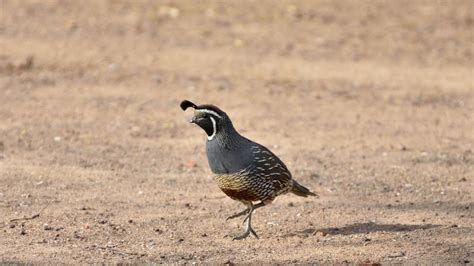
(213, 128)
(209, 112)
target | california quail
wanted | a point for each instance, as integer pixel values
(244, 170)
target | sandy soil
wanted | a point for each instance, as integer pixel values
(369, 103)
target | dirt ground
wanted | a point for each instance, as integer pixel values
(369, 103)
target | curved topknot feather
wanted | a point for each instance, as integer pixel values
(185, 104)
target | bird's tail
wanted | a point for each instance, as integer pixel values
(301, 190)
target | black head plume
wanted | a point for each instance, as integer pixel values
(213, 120)
(186, 104)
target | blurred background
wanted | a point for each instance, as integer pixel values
(370, 104)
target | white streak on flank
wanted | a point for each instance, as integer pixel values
(209, 112)
(213, 128)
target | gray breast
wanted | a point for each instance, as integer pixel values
(225, 160)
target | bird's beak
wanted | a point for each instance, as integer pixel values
(195, 119)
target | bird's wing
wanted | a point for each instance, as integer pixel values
(268, 167)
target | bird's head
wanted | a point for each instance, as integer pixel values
(209, 117)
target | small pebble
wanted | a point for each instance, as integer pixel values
(47, 227)
(228, 262)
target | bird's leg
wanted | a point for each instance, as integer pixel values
(254, 207)
(246, 211)
(235, 215)
(249, 227)
(248, 230)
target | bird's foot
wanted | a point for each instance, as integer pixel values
(235, 215)
(247, 232)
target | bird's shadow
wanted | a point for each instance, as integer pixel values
(363, 228)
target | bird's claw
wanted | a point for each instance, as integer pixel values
(235, 215)
(249, 231)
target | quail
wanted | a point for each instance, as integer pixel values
(244, 170)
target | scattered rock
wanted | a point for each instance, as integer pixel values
(77, 235)
(397, 255)
(316, 175)
(150, 244)
(368, 262)
(228, 262)
(47, 227)
(320, 233)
